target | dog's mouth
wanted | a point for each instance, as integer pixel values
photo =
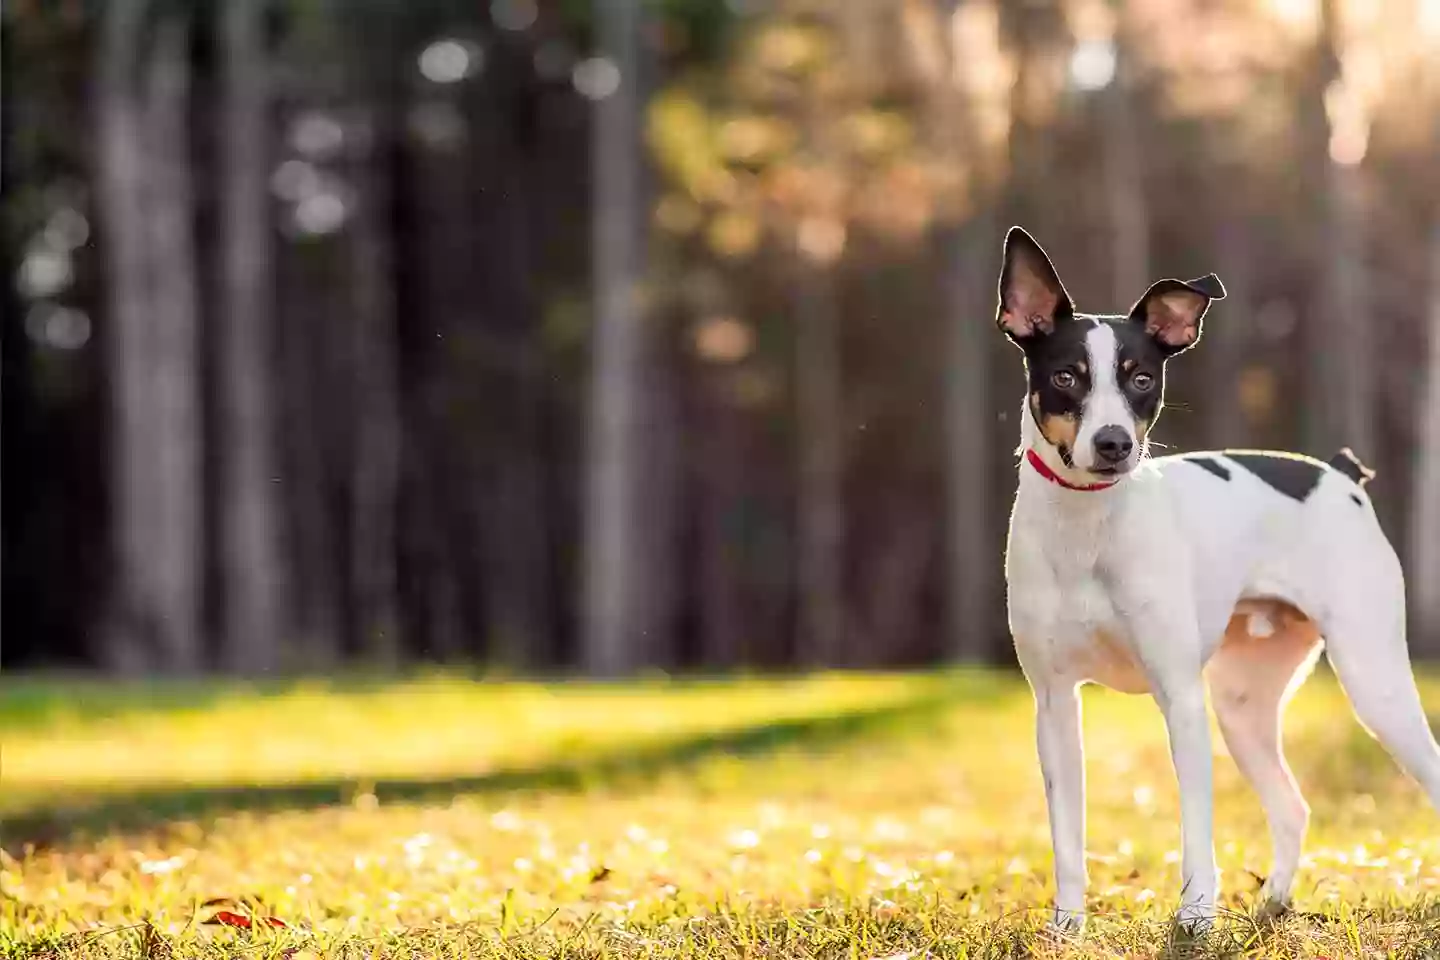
(1117, 470)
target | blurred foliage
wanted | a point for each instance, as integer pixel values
(801, 152)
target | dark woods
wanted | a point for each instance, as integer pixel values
(656, 335)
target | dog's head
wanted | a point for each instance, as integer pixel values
(1096, 383)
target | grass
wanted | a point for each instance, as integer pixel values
(839, 816)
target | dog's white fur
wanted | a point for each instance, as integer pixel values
(1172, 577)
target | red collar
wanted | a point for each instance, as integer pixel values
(1042, 468)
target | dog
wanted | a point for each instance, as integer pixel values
(1163, 575)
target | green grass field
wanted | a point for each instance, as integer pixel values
(844, 816)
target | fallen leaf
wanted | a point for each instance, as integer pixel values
(228, 918)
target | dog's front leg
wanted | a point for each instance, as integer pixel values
(1062, 762)
(1182, 700)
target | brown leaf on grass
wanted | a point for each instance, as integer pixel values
(228, 918)
(601, 874)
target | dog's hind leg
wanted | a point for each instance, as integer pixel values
(1251, 678)
(1371, 659)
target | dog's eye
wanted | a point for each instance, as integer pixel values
(1142, 381)
(1063, 379)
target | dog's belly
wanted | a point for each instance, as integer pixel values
(1111, 663)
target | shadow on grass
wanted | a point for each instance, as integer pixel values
(151, 807)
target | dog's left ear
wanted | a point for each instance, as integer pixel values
(1171, 310)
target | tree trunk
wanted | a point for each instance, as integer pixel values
(821, 535)
(250, 549)
(1228, 338)
(514, 518)
(966, 257)
(895, 582)
(315, 381)
(1343, 384)
(145, 198)
(719, 457)
(375, 466)
(121, 173)
(1027, 30)
(613, 602)
(1129, 213)
(973, 566)
(1424, 572)
(1339, 406)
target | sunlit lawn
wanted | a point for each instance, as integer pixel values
(838, 816)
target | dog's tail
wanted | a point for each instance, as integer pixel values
(1347, 463)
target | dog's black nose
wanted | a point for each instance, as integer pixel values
(1113, 444)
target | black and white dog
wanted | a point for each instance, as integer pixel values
(1158, 575)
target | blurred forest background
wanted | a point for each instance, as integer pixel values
(603, 336)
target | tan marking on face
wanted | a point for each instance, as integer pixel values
(1083, 367)
(1127, 365)
(1141, 430)
(1060, 429)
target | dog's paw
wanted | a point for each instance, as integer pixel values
(1065, 924)
(1273, 902)
(1271, 908)
(1196, 919)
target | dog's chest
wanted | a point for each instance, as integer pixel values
(1065, 614)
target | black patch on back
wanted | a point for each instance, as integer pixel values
(1064, 349)
(1295, 477)
(1137, 352)
(1211, 466)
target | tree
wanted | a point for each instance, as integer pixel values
(1124, 172)
(821, 522)
(249, 512)
(614, 555)
(966, 248)
(1338, 386)
(374, 370)
(1424, 573)
(145, 199)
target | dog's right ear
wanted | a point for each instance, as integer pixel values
(1032, 298)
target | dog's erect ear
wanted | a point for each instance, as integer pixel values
(1032, 298)
(1171, 310)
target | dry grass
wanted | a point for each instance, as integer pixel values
(837, 816)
